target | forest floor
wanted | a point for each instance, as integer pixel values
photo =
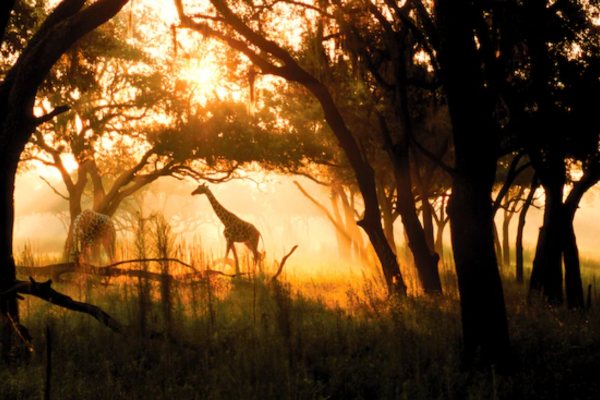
(305, 338)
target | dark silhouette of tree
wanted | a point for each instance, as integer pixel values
(66, 24)
(549, 105)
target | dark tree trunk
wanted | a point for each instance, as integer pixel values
(482, 300)
(428, 224)
(441, 222)
(365, 178)
(387, 216)
(505, 241)
(9, 308)
(574, 287)
(521, 228)
(426, 261)
(546, 274)
(484, 321)
(497, 246)
(391, 269)
(63, 27)
(573, 284)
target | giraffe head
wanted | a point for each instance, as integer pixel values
(202, 189)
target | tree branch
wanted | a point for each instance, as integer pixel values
(45, 118)
(282, 263)
(54, 189)
(337, 226)
(45, 292)
(42, 290)
(432, 157)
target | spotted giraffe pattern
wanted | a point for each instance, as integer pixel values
(236, 229)
(92, 229)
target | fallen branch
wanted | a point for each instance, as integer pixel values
(282, 263)
(44, 291)
(151, 260)
(55, 271)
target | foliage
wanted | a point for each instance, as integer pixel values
(223, 132)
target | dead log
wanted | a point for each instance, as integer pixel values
(55, 271)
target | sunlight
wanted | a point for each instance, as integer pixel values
(200, 73)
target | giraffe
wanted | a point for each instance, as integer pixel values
(90, 230)
(236, 229)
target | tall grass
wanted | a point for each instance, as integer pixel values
(299, 338)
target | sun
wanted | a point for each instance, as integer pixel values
(200, 73)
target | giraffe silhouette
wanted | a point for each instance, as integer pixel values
(90, 230)
(236, 230)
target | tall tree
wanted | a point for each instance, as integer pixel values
(67, 23)
(471, 102)
(553, 113)
(274, 59)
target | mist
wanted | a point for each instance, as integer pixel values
(283, 215)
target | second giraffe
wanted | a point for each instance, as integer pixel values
(236, 229)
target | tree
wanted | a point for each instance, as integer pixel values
(383, 49)
(66, 24)
(118, 94)
(274, 59)
(551, 113)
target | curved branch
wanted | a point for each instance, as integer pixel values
(432, 157)
(45, 292)
(54, 189)
(282, 263)
(330, 217)
(45, 118)
(58, 163)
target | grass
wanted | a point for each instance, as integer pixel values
(306, 338)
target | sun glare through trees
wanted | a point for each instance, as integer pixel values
(299, 199)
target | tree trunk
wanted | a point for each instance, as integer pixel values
(441, 222)
(426, 261)
(365, 178)
(9, 308)
(428, 223)
(389, 263)
(482, 299)
(343, 238)
(387, 216)
(546, 274)
(505, 241)
(497, 246)
(439, 240)
(484, 321)
(521, 228)
(573, 284)
(352, 228)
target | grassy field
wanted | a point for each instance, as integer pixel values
(322, 336)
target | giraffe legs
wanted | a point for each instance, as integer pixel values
(231, 246)
(252, 245)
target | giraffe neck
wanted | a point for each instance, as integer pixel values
(224, 215)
